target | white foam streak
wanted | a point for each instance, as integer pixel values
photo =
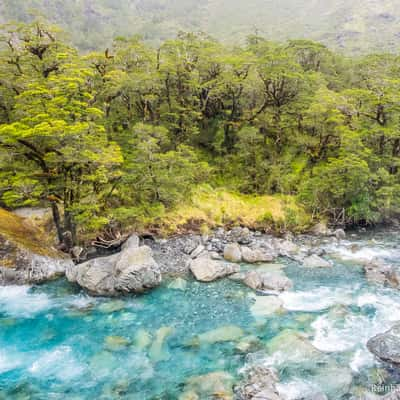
(18, 301)
(315, 300)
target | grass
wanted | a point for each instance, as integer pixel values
(21, 232)
(210, 208)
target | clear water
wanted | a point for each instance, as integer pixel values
(56, 342)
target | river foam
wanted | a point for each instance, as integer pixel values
(19, 301)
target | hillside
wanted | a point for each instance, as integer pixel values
(355, 26)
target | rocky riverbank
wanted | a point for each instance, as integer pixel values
(255, 260)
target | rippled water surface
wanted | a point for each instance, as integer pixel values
(57, 343)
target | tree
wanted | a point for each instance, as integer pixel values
(55, 137)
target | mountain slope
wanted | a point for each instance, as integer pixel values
(353, 25)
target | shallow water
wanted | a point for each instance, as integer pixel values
(56, 342)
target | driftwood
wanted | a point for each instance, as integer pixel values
(110, 240)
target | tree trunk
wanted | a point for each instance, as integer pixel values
(57, 221)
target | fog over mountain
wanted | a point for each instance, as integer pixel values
(355, 26)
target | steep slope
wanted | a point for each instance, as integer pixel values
(353, 25)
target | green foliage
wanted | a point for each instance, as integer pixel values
(129, 134)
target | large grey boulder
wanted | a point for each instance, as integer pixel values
(133, 270)
(267, 281)
(257, 255)
(232, 253)
(386, 346)
(136, 271)
(206, 269)
(262, 280)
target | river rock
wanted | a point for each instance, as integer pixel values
(226, 333)
(315, 261)
(133, 270)
(206, 270)
(197, 251)
(142, 339)
(232, 253)
(259, 384)
(286, 248)
(178, 284)
(378, 272)
(157, 351)
(262, 280)
(240, 235)
(252, 256)
(216, 384)
(386, 346)
(25, 258)
(136, 271)
(264, 306)
(293, 347)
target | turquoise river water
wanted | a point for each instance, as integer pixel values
(56, 342)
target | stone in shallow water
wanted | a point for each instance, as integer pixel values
(157, 350)
(226, 333)
(386, 346)
(248, 344)
(115, 343)
(265, 306)
(111, 306)
(178, 284)
(258, 384)
(291, 346)
(216, 385)
(315, 261)
(142, 339)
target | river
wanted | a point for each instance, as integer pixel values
(56, 342)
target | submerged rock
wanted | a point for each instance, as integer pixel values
(222, 334)
(248, 344)
(232, 253)
(142, 339)
(206, 269)
(115, 343)
(216, 385)
(265, 306)
(157, 350)
(178, 284)
(386, 346)
(24, 256)
(315, 261)
(291, 346)
(131, 270)
(259, 384)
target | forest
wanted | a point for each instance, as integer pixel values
(125, 134)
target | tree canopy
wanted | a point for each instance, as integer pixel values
(125, 134)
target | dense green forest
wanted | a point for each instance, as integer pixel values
(356, 26)
(128, 133)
